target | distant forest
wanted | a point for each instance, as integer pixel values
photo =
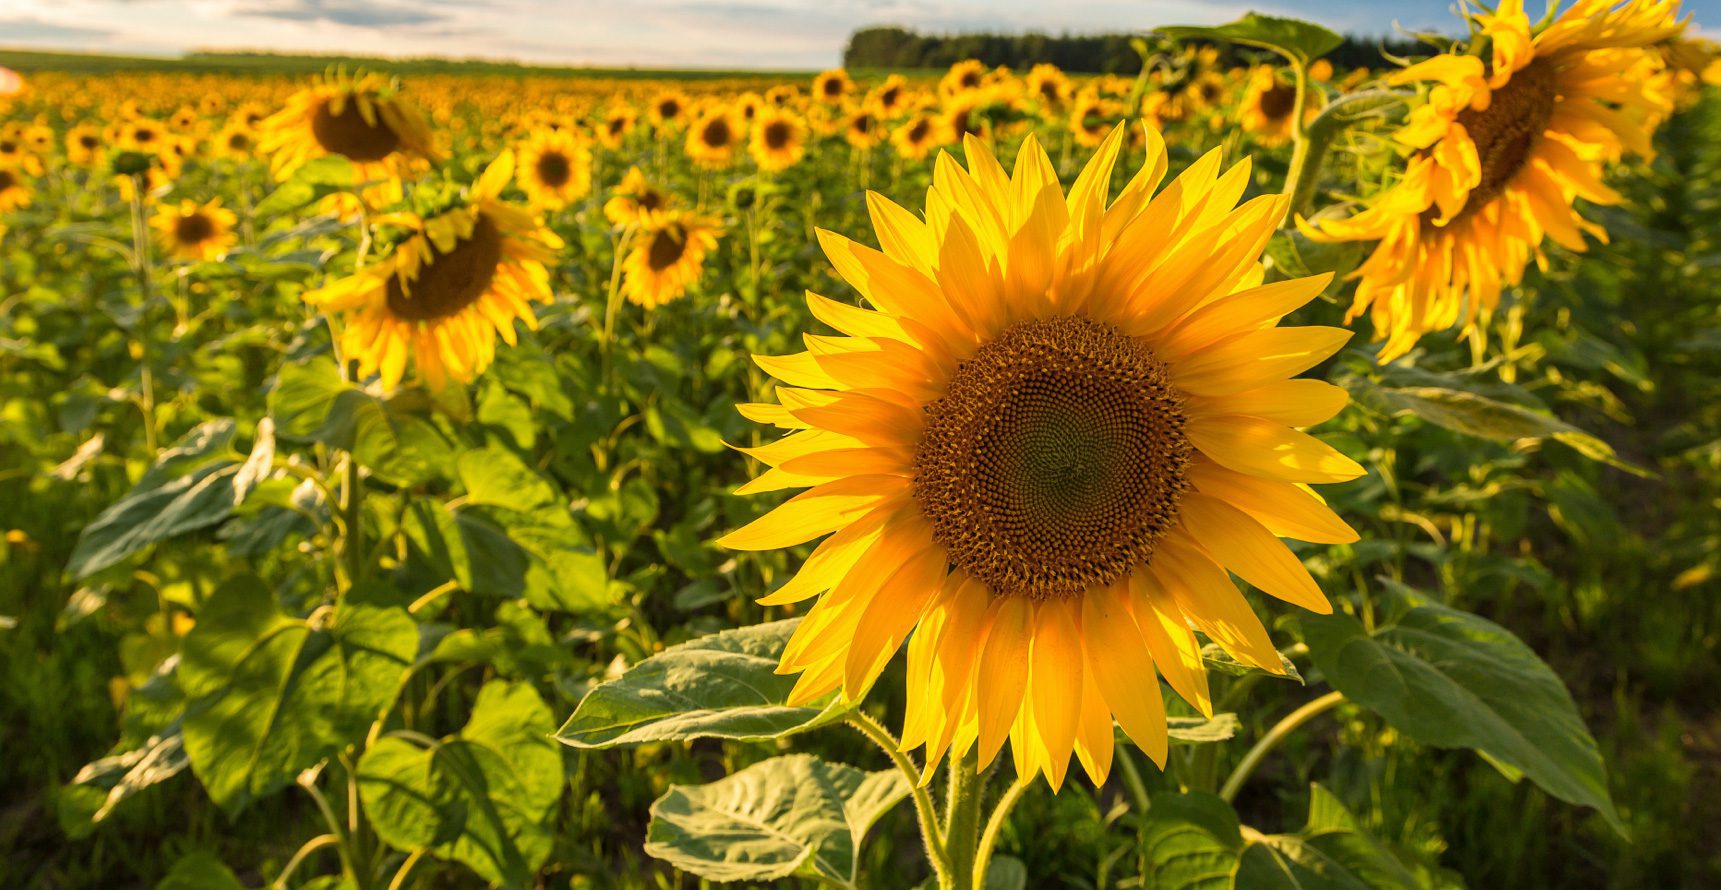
(892, 47)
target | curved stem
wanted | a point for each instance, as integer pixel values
(994, 826)
(1299, 179)
(1272, 739)
(923, 808)
(310, 846)
(405, 867)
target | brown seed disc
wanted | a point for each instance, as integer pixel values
(449, 282)
(667, 246)
(350, 135)
(776, 135)
(554, 169)
(1055, 459)
(716, 133)
(193, 229)
(1506, 130)
(1278, 101)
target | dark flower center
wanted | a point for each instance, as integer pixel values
(1507, 130)
(193, 229)
(667, 246)
(553, 169)
(776, 135)
(1278, 101)
(350, 135)
(449, 282)
(716, 133)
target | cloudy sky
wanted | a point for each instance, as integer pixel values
(683, 33)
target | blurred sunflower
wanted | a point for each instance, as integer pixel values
(747, 106)
(1269, 110)
(634, 200)
(918, 136)
(14, 153)
(779, 139)
(1205, 91)
(668, 109)
(194, 232)
(863, 130)
(459, 279)
(236, 141)
(84, 145)
(617, 124)
(1037, 454)
(832, 87)
(14, 189)
(712, 139)
(554, 168)
(1500, 151)
(1049, 87)
(1091, 118)
(668, 255)
(143, 135)
(890, 98)
(965, 76)
(362, 119)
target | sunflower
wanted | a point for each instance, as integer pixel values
(1205, 91)
(1321, 71)
(747, 106)
(236, 140)
(362, 119)
(1498, 154)
(554, 168)
(863, 130)
(14, 189)
(1270, 105)
(668, 109)
(779, 139)
(14, 153)
(832, 87)
(889, 99)
(965, 76)
(667, 256)
(1049, 87)
(634, 200)
(84, 145)
(194, 232)
(919, 135)
(783, 95)
(618, 122)
(458, 280)
(1091, 118)
(712, 139)
(1039, 453)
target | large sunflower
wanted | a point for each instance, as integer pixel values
(779, 139)
(668, 256)
(461, 278)
(1039, 452)
(360, 118)
(554, 168)
(1498, 154)
(195, 232)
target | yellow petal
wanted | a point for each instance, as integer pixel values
(1246, 547)
(1122, 666)
(1263, 448)
(1003, 673)
(814, 513)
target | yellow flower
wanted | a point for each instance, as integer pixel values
(831, 87)
(668, 109)
(919, 135)
(554, 168)
(1321, 71)
(965, 76)
(15, 153)
(779, 139)
(712, 139)
(193, 232)
(889, 99)
(618, 123)
(445, 293)
(1039, 451)
(14, 189)
(1049, 87)
(863, 129)
(668, 255)
(84, 145)
(362, 119)
(236, 141)
(1270, 105)
(1092, 117)
(634, 200)
(1498, 154)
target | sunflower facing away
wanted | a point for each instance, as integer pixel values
(1498, 154)
(360, 118)
(1038, 453)
(668, 255)
(461, 278)
(194, 232)
(554, 168)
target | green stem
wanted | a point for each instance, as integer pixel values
(612, 304)
(1272, 739)
(310, 846)
(962, 820)
(995, 826)
(352, 511)
(1132, 779)
(308, 781)
(1300, 179)
(923, 808)
(405, 869)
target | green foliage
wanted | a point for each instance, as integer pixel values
(1301, 42)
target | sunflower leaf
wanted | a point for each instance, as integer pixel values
(1301, 42)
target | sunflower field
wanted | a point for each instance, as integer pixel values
(1246, 474)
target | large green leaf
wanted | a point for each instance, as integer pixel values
(192, 486)
(1333, 850)
(394, 438)
(720, 686)
(482, 797)
(200, 870)
(794, 815)
(496, 477)
(1190, 842)
(313, 181)
(1302, 42)
(119, 776)
(270, 695)
(1453, 679)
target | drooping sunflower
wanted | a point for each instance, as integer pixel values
(634, 200)
(554, 168)
(1499, 153)
(832, 87)
(779, 139)
(668, 256)
(14, 189)
(195, 232)
(1036, 456)
(362, 119)
(712, 139)
(1269, 110)
(919, 135)
(460, 279)
(618, 122)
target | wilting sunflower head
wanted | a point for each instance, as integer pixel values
(1035, 456)
(554, 168)
(195, 232)
(362, 119)
(712, 138)
(1500, 149)
(778, 140)
(634, 200)
(457, 281)
(667, 256)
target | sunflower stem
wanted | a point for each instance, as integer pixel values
(962, 819)
(141, 267)
(1300, 177)
(1272, 739)
(995, 826)
(612, 304)
(928, 815)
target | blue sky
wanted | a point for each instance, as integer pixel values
(684, 33)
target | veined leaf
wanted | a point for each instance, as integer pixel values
(1300, 41)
